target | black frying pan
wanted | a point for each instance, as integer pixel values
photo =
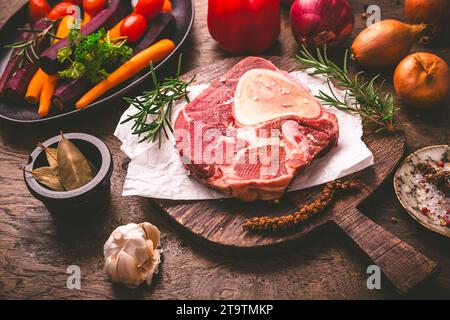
(23, 113)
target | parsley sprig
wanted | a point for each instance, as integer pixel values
(91, 55)
(154, 108)
(376, 108)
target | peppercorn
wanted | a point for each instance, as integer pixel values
(439, 177)
(424, 211)
(309, 209)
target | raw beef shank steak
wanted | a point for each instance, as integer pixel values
(252, 130)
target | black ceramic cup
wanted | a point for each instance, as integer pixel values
(87, 201)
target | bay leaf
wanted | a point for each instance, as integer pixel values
(94, 170)
(51, 154)
(74, 169)
(48, 176)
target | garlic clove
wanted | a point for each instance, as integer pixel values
(141, 255)
(152, 233)
(118, 236)
(111, 268)
(127, 270)
(150, 248)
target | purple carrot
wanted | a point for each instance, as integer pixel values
(14, 60)
(158, 26)
(69, 90)
(17, 83)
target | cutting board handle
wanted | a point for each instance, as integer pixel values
(402, 265)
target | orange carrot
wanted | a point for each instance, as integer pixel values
(46, 95)
(40, 77)
(140, 61)
(64, 28)
(167, 7)
(49, 82)
(86, 18)
(35, 87)
(114, 32)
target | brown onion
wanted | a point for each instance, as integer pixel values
(318, 22)
(385, 43)
(422, 80)
(433, 12)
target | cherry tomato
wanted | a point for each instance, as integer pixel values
(60, 10)
(38, 9)
(93, 7)
(149, 8)
(133, 27)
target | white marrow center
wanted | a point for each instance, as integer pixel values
(262, 95)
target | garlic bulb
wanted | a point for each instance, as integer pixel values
(131, 254)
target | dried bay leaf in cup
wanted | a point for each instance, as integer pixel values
(94, 170)
(48, 176)
(52, 158)
(50, 154)
(74, 169)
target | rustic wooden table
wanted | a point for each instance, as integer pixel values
(35, 251)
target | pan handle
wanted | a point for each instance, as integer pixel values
(402, 265)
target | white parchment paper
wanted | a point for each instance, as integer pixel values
(159, 173)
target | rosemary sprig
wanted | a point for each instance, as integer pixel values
(28, 49)
(377, 109)
(155, 106)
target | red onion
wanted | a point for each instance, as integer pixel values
(318, 22)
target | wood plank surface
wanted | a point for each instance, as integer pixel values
(35, 251)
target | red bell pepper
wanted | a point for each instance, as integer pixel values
(244, 25)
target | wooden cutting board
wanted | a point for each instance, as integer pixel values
(218, 223)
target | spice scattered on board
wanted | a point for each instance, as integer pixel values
(327, 195)
(68, 168)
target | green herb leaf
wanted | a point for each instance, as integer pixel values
(92, 55)
(75, 71)
(64, 54)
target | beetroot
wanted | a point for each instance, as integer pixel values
(70, 90)
(107, 18)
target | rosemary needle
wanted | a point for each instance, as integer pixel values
(154, 108)
(27, 49)
(377, 109)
